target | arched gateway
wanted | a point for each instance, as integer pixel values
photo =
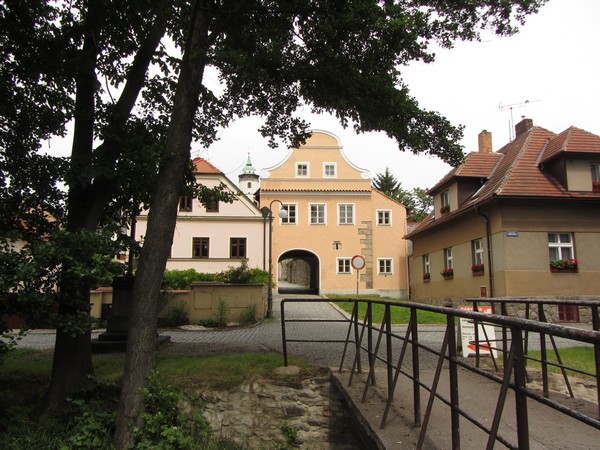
(298, 272)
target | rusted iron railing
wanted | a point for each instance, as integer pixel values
(527, 307)
(382, 345)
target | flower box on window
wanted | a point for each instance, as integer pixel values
(477, 269)
(447, 273)
(596, 186)
(426, 277)
(564, 265)
(445, 209)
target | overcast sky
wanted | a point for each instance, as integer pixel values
(549, 72)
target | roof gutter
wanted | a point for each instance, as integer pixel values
(488, 234)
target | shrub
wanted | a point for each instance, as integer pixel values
(243, 275)
(182, 279)
(178, 315)
(165, 427)
(222, 314)
(249, 316)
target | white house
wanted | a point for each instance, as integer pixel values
(212, 240)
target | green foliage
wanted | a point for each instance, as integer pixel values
(165, 426)
(182, 279)
(417, 202)
(249, 316)
(222, 314)
(88, 417)
(33, 272)
(243, 275)
(177, 315)
(291, 434)
(8, 340)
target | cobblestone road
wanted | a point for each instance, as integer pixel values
(265, 336)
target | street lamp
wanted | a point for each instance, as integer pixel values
(267, 213)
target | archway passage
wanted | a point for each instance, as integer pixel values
(298, 272)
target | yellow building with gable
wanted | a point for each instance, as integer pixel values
(335, 222)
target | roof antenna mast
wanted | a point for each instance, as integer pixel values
(511, 124)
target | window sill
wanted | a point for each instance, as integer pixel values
(478, 274)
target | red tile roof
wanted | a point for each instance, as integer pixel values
(518, 169)
(572, 140)
(203, 166)
(476, 165)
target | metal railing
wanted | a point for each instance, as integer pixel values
(383, 346)
(540, 307)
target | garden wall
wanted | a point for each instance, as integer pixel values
(201, 301)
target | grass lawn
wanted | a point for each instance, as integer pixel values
(580, 357)
(399, 315)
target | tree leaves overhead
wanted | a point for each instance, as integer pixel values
(345, 57)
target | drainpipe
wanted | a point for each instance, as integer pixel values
(488, 233)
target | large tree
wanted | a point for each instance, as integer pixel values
(417, 202)
(341, 57)
(129, 74)
(61, 62)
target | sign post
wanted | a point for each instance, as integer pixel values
(358, 262)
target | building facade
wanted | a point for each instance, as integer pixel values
(212, 239)
(335, 222)
(520, 222)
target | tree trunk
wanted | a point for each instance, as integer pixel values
(72, 354)
(72, 362)
(141, 341)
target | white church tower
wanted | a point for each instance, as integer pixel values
(248, 179)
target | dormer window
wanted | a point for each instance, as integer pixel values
(445, 197)
(596, 178)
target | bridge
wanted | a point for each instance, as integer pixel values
(408, 390)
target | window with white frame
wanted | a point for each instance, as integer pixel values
(560, 246)
(302, 169)
(345, 213)
(384, 217)
(291, 214)
(426, 265)
(384, 266)
(317, 214)
(477, 246)
(344, 265)
(329, 170)
(448, 262)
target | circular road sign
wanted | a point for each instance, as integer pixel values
(358, 262)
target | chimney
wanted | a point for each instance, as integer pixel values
(485, 142)
(522, 127)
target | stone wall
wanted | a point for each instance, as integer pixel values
(255, 413)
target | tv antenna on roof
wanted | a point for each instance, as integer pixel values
(511, 128)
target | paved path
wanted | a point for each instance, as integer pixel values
(400, 434)
(266, 335)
